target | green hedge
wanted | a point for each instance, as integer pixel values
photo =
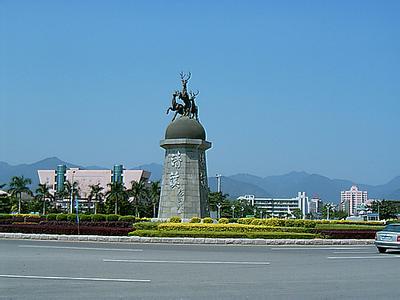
(112, 218)
(146, 225)
(85, 218)
(5, 216)
(208, 220)
(213, 234)
(131, 219)
(98, 218)
(195, 220)
(223, 221)
(348, 227)
(228, 228)
(61, 217)
(175, 219)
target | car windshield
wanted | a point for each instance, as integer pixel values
(394, 228)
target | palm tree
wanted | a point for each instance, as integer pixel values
(43, 192)
(154, 194)
(96, 194)
(73, 191)
(138, 191)
(116, 194)
(18, 186)
(2, 185)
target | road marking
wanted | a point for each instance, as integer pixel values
(317, 248)
(187, 262)
(74, 278)
(364, 257)
(353, 252)
(79, 248)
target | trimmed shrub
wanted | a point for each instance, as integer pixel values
(112, 218)
(98, 217)
(229, 228)
(207, 220)
(51, 217)
(213, 234)
(5, 216)
(146, 226)
(246, 221)
(61, 217)
(85, 218)
(223, 221)
(71, 217)
(195, 220)
(233, 220)
(65, 228)
(175, 220)
(130, 219)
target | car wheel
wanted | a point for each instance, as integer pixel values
(381, 250)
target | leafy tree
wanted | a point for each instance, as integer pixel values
(154, 194)
(43, 193)
(386, 209)
(297, 213)
(138, 192)
(2, 185)
(116, 195)
(71, 190)
(5, 204)
(19, 186)
(97, 195)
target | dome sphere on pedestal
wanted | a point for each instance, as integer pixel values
(185, 128)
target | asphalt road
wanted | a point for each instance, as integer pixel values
(69, 270)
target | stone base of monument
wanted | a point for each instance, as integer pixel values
(184, 187)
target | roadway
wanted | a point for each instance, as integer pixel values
(71, 270)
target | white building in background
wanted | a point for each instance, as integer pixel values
(278, 206)
(55, 179)
(315, 206)
(350, 200)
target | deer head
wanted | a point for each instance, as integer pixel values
(193, 95)
(185, 77)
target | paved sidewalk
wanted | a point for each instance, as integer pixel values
(188, 240)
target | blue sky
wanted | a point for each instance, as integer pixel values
(284, 85)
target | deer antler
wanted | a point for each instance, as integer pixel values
(184, 76)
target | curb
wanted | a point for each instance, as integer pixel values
(187, 241)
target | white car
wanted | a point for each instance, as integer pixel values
(388, 238)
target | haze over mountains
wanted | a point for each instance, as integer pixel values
(286, 185)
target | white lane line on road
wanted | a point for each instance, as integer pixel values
(364, 257)
(79, 248)
(317, 248)
(73, 278)
(187, 262)
(353, 252)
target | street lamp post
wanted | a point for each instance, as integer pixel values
(219, 210)
(233, 211)
(218, 182)
(72, 193)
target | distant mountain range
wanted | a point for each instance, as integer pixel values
(286, 185)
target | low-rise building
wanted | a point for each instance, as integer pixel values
(277, 207)
(55, 180)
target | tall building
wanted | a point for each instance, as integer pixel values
(278, 206)
(350, 200)
(55, 179)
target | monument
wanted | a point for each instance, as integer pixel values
(184, 187)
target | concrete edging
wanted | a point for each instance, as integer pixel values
(186, 240)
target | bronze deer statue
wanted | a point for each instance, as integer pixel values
(183, 95)
(175, 106)
(194, 111)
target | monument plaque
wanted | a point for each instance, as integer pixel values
(184, 187)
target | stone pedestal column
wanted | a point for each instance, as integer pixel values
(184, 188)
